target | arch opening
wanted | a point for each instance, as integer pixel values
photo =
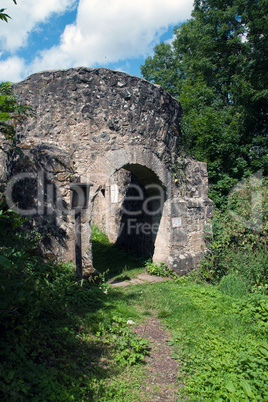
(129, 208)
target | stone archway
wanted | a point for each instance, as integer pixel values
(129, 208)
(144, 169)
(94, 123)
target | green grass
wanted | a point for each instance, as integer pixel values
(63, 342)
(77, 352)
(60, 341)
(220, 341)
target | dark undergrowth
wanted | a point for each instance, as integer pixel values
(59, 341)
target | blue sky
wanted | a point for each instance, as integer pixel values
(56, 34)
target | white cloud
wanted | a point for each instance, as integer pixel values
(105, 31)
(26, 15)
(108, 31)
(124, 67)
(12, 69)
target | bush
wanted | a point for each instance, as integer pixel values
(158, 269)
(234, 285)
(36, 301)
(239, 245)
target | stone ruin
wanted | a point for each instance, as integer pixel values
(119, 134)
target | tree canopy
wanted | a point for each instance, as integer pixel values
(217, 66)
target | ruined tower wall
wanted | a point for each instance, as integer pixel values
(89, 124)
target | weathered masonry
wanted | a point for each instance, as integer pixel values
(119, 134)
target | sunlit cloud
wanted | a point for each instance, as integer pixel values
(104, 32)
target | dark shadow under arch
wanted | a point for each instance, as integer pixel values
(141, 210)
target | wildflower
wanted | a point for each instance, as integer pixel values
(130, 322)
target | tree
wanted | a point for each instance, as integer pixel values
(219, 72)
(11, 113)
(163, 68)
(3, 15)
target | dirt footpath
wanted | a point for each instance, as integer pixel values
(161, 383)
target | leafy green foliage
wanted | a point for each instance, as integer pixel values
(32, 298)
(48, 345)
(130, 348)
(66, 342)
(220, 341)
(234, 285)
(111, 260)
(3, 15)
(98, 236)
(158, 269)
(11, 112)
(218, 68)
(163, 68)
(239, 246)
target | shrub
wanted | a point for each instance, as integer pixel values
(239, 246)
(158, 269)
(234, 285)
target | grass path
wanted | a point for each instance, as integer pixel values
(162, 371)
(219, 340)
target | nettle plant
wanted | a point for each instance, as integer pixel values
(128, 346)
(160, 269)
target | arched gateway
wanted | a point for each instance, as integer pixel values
(119, 134)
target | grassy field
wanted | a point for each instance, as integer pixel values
(64, 342)
(219, 333)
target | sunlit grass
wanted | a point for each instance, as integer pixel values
(222, 352)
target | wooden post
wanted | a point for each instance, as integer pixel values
(78, 244)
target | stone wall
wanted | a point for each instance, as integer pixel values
(108, 128)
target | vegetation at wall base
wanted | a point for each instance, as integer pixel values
(113, 261)
(239, 245)
(160, 269)
(220, 341)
